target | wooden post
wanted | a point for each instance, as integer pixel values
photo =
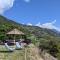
(30, 54)
(14, 39)
(25, 54)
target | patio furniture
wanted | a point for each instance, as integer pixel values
(18, 46)
(9, 48)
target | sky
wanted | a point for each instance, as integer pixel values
(42, 13)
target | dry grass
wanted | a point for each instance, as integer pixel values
(31, 53)
(6, 55)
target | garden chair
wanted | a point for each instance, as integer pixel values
(9, 48)
(18, 46)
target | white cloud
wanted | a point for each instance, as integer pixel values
(49, 25)
(29, 24)
(38, 24)
(27, 1)
(5, 5)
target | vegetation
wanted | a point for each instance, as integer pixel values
(44, 38)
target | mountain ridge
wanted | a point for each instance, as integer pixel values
(4, 20)
(49, 39)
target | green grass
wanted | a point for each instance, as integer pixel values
(6, 55)
(22, 54)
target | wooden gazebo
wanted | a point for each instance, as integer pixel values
(15, 32)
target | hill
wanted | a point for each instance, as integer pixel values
(7, 24)
(39, 36)
(38, 32)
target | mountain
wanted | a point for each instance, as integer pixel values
(39, 36)
(7, 25)
(57, 32)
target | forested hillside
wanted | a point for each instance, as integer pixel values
(44, 38)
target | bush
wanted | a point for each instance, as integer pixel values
(50, 46)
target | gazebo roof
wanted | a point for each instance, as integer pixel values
(15, 31)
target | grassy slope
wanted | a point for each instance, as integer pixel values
(16, 55)
(30, 52)
(33, 32)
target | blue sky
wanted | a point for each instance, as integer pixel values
(35, 12)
